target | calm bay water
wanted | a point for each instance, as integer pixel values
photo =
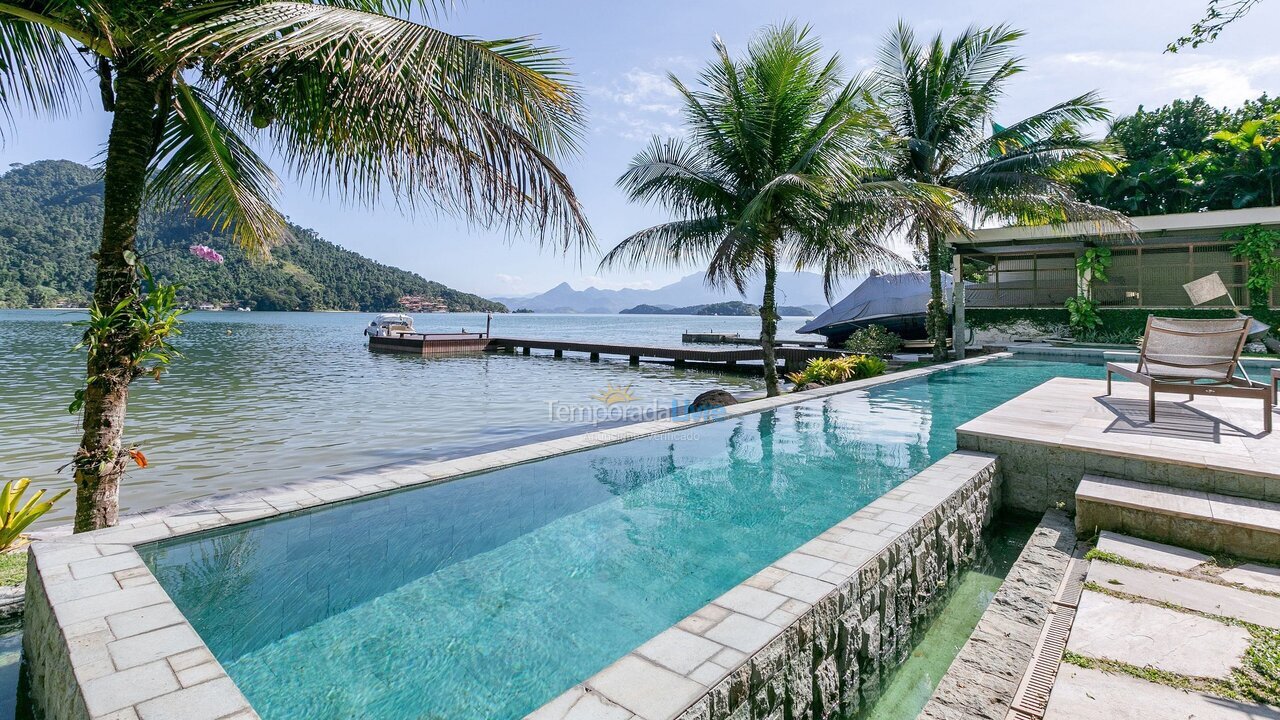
(267, 398)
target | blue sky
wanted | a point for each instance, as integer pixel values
(621, 51)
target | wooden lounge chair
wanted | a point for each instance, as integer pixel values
(1275, 385)
(1194, 357)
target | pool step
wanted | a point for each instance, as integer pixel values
(1203, 521)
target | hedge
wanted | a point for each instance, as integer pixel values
(1130, 321)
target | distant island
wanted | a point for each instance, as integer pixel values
(732, 308)
(797, 289)
(50, 219)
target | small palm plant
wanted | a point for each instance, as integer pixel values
(14, 516)
(782, 166)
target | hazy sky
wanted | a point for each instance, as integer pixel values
(621, 51)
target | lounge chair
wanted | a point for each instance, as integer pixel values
(1195, 357)
(1275, 385)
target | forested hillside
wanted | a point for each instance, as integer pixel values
(51, 211)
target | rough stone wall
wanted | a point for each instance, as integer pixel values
(46, 657)
(983, 678)
(831, 661)
(1036, 477)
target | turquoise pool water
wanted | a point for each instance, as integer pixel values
(487, 596)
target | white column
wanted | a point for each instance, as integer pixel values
(958, 330)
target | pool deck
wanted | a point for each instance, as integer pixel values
(104, 640)
(1050, 436)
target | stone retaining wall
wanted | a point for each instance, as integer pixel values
(983, 678)
(832, 660)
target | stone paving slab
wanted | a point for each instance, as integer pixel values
(1258, 577)
(1145, 635)
(1192, 594)
(1084, 694)
(1153, 554)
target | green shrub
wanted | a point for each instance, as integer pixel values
(15, 518)
(873, 340)
(830, 371)
(1082, 315)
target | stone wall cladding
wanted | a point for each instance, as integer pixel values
(103, 641)
(813, 635)
(1036, 476)
(983, 678)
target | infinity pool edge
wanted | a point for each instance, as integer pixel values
(103, 640)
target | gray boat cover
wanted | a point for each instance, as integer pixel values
(881, 296)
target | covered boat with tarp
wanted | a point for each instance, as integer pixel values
(895, 302)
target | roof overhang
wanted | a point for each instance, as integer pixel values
(1144, 226)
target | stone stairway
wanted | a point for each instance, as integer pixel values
(1165, 633)
(1205, 521)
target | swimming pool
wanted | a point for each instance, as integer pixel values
(487, 596)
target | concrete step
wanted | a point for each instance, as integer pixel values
(1203, 521)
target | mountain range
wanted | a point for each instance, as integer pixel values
(51, 215)
(794, 288)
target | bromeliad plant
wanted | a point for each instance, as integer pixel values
(15, 516)
(830, 371)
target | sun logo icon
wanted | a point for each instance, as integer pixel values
(612, 395)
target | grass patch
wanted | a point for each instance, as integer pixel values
(1114, 559)
(13, 568)
(1257, 681)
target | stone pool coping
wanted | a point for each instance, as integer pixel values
(104, 640)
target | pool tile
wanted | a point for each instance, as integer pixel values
(751, 601)
(580, 703)
(154, 645)
(805, 564)
(145, 619)
(678, 650)
(649, 691)
(212, 700)
(742, 633)
(129, 687)
(803, 588)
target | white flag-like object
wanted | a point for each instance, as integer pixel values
(1209, 287)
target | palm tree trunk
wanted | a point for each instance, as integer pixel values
(769, 325)
(936, 315)
(100, 461)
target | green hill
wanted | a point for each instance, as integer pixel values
(51, 212)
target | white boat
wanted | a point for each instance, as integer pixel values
(389, 325)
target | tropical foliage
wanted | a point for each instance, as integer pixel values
(781, 166)
(351, 95)
(1188, 156)
(939, 97)
(829, 371)
(15, 515)
(51, 216)
(873, 340)
(1257, 246)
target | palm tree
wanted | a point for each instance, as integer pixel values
(347, 92)
(779, 166)
(939, 98)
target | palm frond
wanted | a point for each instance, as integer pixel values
(37, 69)
(670, 244)
(203, 161)
(364, 103)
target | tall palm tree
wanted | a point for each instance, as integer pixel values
(940, 98)
(348, 93)
(779, 166)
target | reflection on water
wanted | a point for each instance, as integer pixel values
(11, 707)
(267, 398)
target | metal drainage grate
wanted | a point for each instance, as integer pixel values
(1032, 698)
(1072, 585)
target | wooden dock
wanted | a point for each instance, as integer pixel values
(793, 357)
(431, 343)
